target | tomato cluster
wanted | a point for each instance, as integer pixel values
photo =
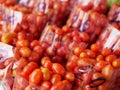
(114, 15)
(59, 45)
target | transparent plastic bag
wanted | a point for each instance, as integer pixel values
(19, 83)
(8, 2)
(6, 55)
(114, 15)
(110, 38)
(95, 5)
(9, 19)
(85, 22)
(114, 82)
(51, 39)
(6, 80)
(15, 21)
(56, 11)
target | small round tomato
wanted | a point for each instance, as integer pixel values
(46, 73)
(55, 78)
(70, 76)
(58, 68)
(35, 77)
(94, 47)
(22, 43)
(28, 69)
(25, 52)
(46, 62)
(34, 43)
(46, 85)
(38, 49)
(116, 63)
(100, 65)
(110, 58)
(106, 52)
(107, 71)
(34, 56)
(100, 57)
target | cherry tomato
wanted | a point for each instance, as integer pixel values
(25, 52)
(106, 52)
(46, 85)
(110, 58)
(46, 62)
(107, 71)
(28, 69)
(55, 78)
(22, 43)
(36, 76)
(116, 63)
(70, 76)
(58, 69)
(100, 65)
(46, 74)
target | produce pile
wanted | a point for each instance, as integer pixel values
(59, 44)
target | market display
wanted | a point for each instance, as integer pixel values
(59, 45)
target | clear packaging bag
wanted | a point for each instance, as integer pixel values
(6, 80)
(95, 5)
(114, 15)
(8, 2)
(6, 55)
(15, 21)
(56, 11)
(19, 83)
(85, 23)
(110, 38)
(51, 39)
(9, 19)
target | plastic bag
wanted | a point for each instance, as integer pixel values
(110, 38)
(95, 5)
(114, 82)
(114, 15)
(19, 83)
(51, 39)
(54, 10)
(8, 2)
(6, 80)
(9, 19)
(85, 23)
(15, 21)
(6, 55)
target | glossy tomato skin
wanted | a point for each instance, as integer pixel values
(55, 78)
(58, 69)
(27, 70)
(46, 85)
(36, 77)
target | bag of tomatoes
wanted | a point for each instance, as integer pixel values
(8, 2)
(114, 15)
(51, 40)
(86, 25)
(16, 21)
(6, 79)
(95, 5)
(19, 83)
(9, 19)
(110, 38)
(56, 11)
(6, 55)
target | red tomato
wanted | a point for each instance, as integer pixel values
(46, 85)
(107, 71)
(28, 69)
(36, 77)
(58, 69)
(55, 78)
